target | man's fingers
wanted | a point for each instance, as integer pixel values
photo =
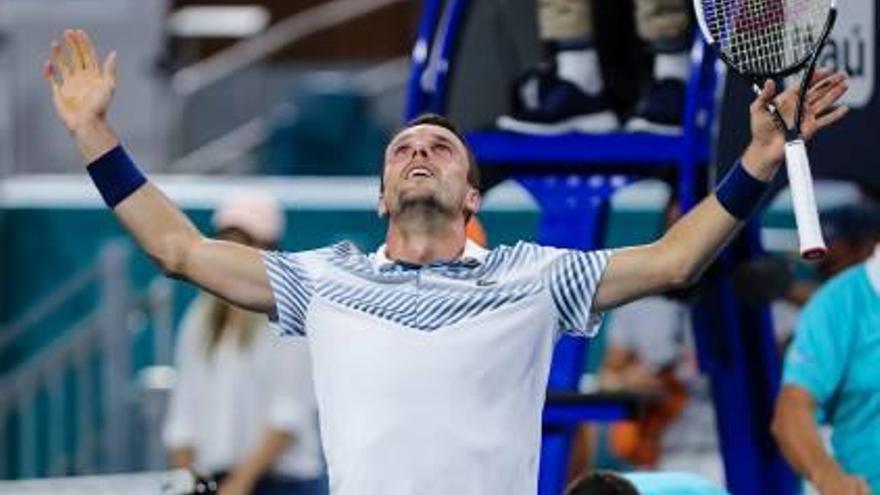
(830, 78)
(831, 117)
(48, 72)
(60, 61)
(767, 101)
(76, 60)
(787, 99)
(819, 89)
(765, 97)
(828, 99)
(109, 70)
(784, 103)
(49, 75)
(820, 74)
(86, 50)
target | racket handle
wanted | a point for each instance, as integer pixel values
(797, 163)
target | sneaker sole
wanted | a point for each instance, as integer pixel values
(638, 124)
(600, 123)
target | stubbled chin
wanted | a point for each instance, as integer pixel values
(423, 198)
(423, 187)
(417, 194)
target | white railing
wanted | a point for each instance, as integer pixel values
(88, 373)
(229, 62)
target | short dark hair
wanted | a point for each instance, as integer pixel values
(602, 483)
(853, 223)
(473, 176)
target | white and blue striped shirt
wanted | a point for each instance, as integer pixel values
(431, 379)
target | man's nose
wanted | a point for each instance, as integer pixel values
(420, 150)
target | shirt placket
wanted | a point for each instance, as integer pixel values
(419, 284)
(411, 289)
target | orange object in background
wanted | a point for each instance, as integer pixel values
(638, 442)
(476, 232)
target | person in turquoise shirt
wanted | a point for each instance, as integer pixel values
(832, 375)
(643, 483)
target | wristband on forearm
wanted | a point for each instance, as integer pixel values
(739, 192)
(116, 176)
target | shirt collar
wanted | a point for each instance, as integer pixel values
(873, 268)
(474, 255)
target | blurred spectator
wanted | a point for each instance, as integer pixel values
(567, 93)
(650, 349)
(244, 410)
(608, 483)
(831, 369)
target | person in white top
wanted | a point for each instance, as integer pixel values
(431, 355)
(650, 347)
(243, 410)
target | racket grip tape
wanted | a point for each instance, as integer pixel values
(812, 245)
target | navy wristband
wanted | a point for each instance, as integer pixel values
(740, 193)
(116, 176)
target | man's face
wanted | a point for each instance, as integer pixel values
(427, 165)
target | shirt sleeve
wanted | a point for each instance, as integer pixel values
(574, 279)
(292, 289)
(179, 429)
(816, 360)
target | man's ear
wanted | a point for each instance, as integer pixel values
(381, 209)
(473, 201)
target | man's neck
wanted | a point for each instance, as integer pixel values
(418, 245)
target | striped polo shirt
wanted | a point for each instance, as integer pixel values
(430, 379)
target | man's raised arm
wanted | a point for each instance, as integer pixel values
(82, 89)
(681, 256)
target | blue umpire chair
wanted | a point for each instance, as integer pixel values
(572, 178)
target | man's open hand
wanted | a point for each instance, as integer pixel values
(767, 149)
(81, 88)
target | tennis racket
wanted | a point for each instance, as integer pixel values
(772, 39)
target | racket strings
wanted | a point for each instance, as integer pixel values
(766, 36)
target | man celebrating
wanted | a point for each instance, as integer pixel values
(430, 355)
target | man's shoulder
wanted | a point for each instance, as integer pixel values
(338, 250)
(315, 262)
(532, 255)
(522, 255)
(526, 248)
